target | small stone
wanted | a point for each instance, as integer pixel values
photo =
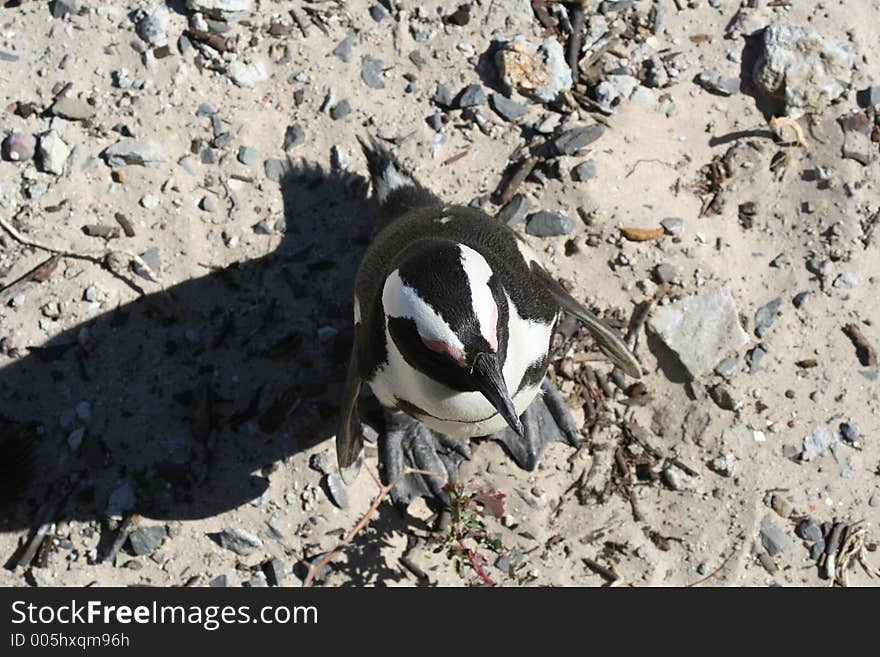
(874, 501)
(869, 97)
(293, 136)
(219, 582)
(19, 147)
(371, 72)
(724, 464)
(547, 223)
(247, 75)
(247, 155)
(664, 273)
(712, 80)
(726, 367)
(323, 462)
(515, 210)
(144, 540)
(340, 110)
(672, 225)
(817, 442)
(507, 109)
(586, 170)
(335, 490)
(782, 506)
(152, 27)
(722, 397)
(62, 8)
(208, 204)
(678, 479)
(150, 202)
(808, 530)
(774, 540)
(205, 109)
(152, 259)
(849, 434)
(132, 151)
(576, 139)
(72, 109)
(443, 96)
(817, 550)
(52, 153)
(274, 571)
(225, 10)
(766, 315)
(799, 299)
(377, 13)
(701, 329)
(240, 541)
(537, 71)
(276, 169)
(471, 96)
(344, 48)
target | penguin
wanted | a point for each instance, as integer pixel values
(453, 321)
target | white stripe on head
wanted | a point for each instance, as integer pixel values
(478, 273)
(400, 300)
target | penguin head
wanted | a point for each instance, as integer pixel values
(447, 314)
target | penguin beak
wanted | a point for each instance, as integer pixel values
(490, 381)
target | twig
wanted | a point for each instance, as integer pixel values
(865, 351)
(602, 571)
(520, 171)
(714, 572)
(575, 40)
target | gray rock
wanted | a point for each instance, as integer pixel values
(711, 80)
(507, 109)
(849, 433)
(208, 204)
(377, 13)
(817, 550)
(726, 367)
(805, 69)
(152, 27)
(672, 225)
(515, 210)
(547, 223)
(724, 464)
(755, 356)
(133, 151)
(539, 72)
(226, 10)
(344, 48)
(510, 561)
(799, 299)
(701, 329)
(205, 109)
(766, 315)
(817, 442)
(293, 136)
(774, 540)
(19, 147)
(52, 153)
(615, 89)
(72, 109)
(335, 490)
(62, 8)
(324, 462)
(869, 97)
(857, 144)
(722, 397)
(371, 72)
(240, 541)
(443, 96)
(808, 530)
(219, 582)
(664, 273)
(274, 571)
(586, 170)
(576, 139)
(8, 56)
(678, 479)
(151, 257)
(247, 155)
(144, 540)
(471, 96)
(121, 500)
(247, 74)
(276, 168)
(340, 110)
(874, 501)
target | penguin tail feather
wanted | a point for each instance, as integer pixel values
(394, 187)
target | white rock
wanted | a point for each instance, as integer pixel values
(222, 9)
(247, 75)
(53, 152)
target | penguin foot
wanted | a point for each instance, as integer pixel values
(407, 444)
(547, 419)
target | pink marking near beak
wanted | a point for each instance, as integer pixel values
(491, 332)
(445, 348)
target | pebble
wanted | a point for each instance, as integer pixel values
(335, 490)
(276, 169)
(817, 442)
(547, 223)
(377, 13)
(371, 72)
(576, 139)
(672, 225)
(340, 110)
(247, 155)
(240, 541)
(774, 540)
(226, 10)
(586, 170)
(471, 96)
(208, 204)
(724, 464)
(817, 550)
(19, 147)
(515, 210)
(849, 433)
(507, 109)
(152, 27)
(274, 571)
(723, 398)
(133, 151)
(664, 273)
(343, 48)
(701, 329)
(712, 80)
(247, 75)
(72, 109)
(144, 540)
(443, 96)
(538, 71)
(293, 136)
(874, 501)
(766, 315)
(150, 202)
(52, 152)
(799, 299)
(62, 8)
(869, 97)
(808, 530)
(219, 582)
(678, 479)
(782, 506)
(324, 462)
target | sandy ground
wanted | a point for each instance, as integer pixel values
(201, 407)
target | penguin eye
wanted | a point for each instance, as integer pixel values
(444, 348)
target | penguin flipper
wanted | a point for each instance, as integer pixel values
(349, 437)
(609, 343)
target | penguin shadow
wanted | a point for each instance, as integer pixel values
(181, 404)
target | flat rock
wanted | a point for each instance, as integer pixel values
(276, 168)
(335, 489)
(576, 139)
(507, 109)
(537, 71)
(144, 540)
(712, 81)
(515, 210)
(72, 109)
(247, 155)
(547, 223)
(766, 315)
(471, 96)
(701, 329)
(226, 10)
(802, 67)
(586, 170)
(817, 442)
(293, 136)
(240, 541)
(343, 49)
(52, 153)
(133, 151)
(247, 74)
(371, 72)
(774, 540)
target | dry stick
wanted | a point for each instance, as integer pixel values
(714, 572)
(28, 275)
(80, 255)
(300, 23)
(865, 351)
(521, 171)
(602, 571)
(575, 40)
(383, 493)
